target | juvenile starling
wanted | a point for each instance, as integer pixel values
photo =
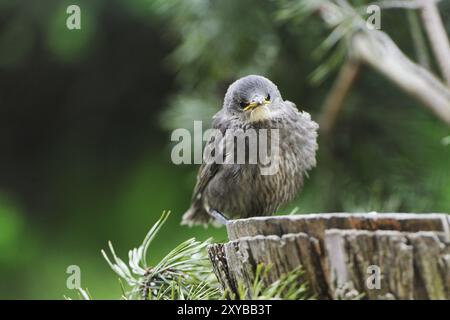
(240, 190)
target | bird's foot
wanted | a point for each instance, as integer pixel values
(219, 216)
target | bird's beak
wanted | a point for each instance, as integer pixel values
(256, 102)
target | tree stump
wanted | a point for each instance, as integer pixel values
(368, 255)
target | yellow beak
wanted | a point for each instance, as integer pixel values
(255, 104)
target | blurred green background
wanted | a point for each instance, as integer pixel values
(86, 117)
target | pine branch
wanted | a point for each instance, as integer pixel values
(186, 273)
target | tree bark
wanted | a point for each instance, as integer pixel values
(376, 256)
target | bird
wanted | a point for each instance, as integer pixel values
(226, 191)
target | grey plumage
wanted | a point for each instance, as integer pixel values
(240, 190)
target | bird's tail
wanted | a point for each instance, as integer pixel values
(196, 215)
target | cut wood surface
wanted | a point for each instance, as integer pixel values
(340, 253)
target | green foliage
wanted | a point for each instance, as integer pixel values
(185, 273)
(11, 230)
(446, 141)
(290, 286)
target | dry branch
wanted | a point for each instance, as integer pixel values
(335, 99)
(381, 52)
(437, 35)
(377, 49)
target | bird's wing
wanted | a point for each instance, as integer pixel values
(209, 168)
(205, 174)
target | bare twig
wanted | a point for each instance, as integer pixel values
(433, 26)
(377, 49)
(438, 37)
(335, 100)
(382, 53)
(402, 4)
(418, 39)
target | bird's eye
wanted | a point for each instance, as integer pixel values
(243, 104)
(268, 97)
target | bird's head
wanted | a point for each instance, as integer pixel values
(252, 98)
